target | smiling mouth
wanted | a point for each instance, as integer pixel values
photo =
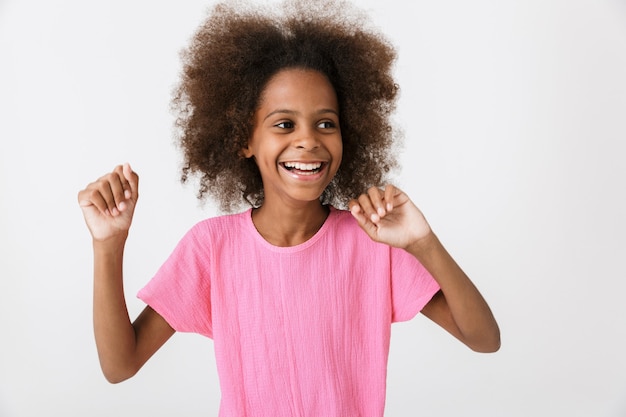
(302, 168)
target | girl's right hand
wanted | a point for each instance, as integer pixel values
(109, 202)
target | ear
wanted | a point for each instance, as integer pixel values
(246, 151)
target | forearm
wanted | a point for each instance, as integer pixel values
(470, 312)
(114, 333)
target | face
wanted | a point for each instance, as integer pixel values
(296, 140)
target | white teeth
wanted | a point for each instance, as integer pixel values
(302, 166)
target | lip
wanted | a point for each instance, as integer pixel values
(305, 175)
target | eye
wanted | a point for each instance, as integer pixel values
(326, 125)
(285, 125)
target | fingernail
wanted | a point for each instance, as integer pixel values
(381, 211)
(122, 206)
(375, 218)
(127, 194)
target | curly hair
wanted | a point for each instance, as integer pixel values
(234, 54)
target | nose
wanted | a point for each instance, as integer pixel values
(306, 139)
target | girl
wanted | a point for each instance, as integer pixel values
(289, 113)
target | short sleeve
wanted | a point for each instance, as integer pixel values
(181, 289)
(412, 286)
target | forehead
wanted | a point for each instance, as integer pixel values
(298, 86)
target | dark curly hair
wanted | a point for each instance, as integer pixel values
(232, 57)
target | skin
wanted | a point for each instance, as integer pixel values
(297, 122)
(123, 347)
(390, 217)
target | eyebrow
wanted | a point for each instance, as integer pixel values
(293, 112)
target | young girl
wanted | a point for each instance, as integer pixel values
(289, 113)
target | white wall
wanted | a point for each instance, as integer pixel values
(515, 116)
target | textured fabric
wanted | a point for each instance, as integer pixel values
(298, 331)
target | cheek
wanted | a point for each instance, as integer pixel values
(339, 151)
(266, 157)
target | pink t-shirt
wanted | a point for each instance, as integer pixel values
(298, 331)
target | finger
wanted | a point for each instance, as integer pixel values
(363, 221)
(368, 206)
(390, 192)
(132, 179)
(376, 196)
(118, 185)
(91, 196)
(356, 211)
(87, 198)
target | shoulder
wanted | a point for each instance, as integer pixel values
(345, 228)
(218, 230)
(342, 221)
(222, 223)
(342, 218)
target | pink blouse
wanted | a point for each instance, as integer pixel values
(298, 331)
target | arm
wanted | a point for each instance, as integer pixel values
(390, 217)
(123, 347)
(458, 307)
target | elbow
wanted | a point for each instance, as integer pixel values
(119, 374)
(115, 378)
(487, 347)
(487, 344)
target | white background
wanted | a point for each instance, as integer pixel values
(515, 118)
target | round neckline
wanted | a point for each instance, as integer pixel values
(290, 249)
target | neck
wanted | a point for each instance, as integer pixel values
(289, 226)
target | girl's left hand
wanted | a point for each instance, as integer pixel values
(389, 216)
